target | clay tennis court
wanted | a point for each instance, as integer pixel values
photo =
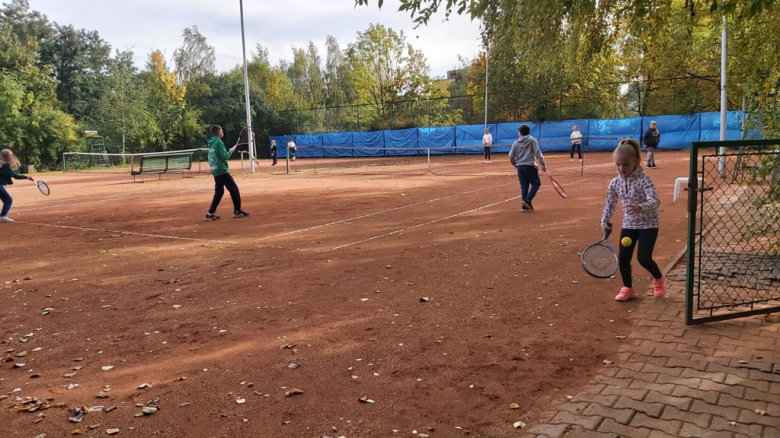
(328, 274)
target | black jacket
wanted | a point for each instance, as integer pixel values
(7, 175)
(652, 137)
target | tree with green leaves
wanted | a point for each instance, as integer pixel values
(24, 23)
(121, 113)
(195, 58)
(78, 59)
(32, 122)
(166, 103)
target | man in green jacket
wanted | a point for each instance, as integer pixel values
(218, 156)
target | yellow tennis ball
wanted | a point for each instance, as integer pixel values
(626, 241)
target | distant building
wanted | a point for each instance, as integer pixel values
(454, 75)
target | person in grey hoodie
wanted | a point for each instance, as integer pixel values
(523, 155)
(651, 139)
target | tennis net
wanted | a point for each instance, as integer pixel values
(596, 159)
(118, 163)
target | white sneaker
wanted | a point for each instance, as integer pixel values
(488, 161)
(571, 159)
(6, 219)
(580, 160)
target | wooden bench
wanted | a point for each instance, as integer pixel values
(162, 164)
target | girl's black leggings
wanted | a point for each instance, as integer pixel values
(645, 239)
(487, 153)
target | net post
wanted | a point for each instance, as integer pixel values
(63, 161)
(287, 149)
(429, 160)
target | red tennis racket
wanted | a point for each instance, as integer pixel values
(558, 187)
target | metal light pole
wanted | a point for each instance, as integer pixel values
(487, 62)
(723, 98)
(249, 139)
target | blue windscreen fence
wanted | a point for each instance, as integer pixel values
(441, 140)
(677, 132)
(557, 135)
(401, 142)
(468, 138)
(341, 144)
(368, 144)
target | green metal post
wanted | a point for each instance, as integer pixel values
(288, 159)
(693, 183)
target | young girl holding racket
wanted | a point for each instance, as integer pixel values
(8, 164)
(636, 192)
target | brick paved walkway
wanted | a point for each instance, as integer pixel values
(669, 380)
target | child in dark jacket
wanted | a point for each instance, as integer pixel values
(652, 138)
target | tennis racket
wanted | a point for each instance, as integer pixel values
(558, 188)
(243, 138)
(43, 187)
(599, 259)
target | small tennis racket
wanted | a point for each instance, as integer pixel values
(243, 138)
(43, 187)
(599, 259)
(558, 188)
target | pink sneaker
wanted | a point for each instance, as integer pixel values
(625, 294)
(659, 287)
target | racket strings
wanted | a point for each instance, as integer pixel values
(599, 261)
(43, 187)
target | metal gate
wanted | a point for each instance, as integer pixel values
(733, 266)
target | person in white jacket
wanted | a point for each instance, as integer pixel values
(635, 190)
(293, 150)
(576, 143)
(487, 140)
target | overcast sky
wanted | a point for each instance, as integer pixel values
(146, 25)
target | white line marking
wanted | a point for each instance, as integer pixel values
(437, 220)
(426, 223)
(303, 230)
(161, 236)
(76, 204)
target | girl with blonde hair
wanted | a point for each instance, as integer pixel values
(635, 190)
(8, 165)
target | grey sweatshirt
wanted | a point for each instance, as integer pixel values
(525, 151)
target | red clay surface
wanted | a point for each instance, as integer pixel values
(332, 267)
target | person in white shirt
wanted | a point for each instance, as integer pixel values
(292, 148)
(487, 140)
(576, 142)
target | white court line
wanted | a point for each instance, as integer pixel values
(436, 220)
(161, 236)
(426, 223)
(303, 230)
(229, 242)
(76, 204)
